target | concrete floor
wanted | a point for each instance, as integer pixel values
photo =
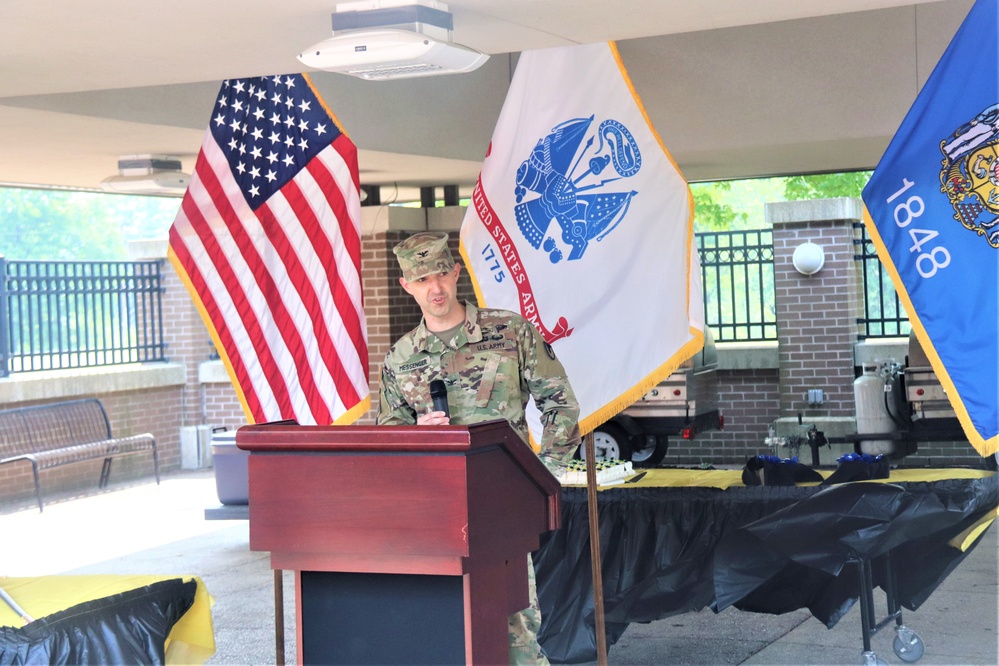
(145, 528)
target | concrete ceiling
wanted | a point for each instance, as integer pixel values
(735, 88)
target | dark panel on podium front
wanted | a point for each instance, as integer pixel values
(359, 618)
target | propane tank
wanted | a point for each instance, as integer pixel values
(872, 417)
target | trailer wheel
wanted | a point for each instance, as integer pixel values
(652, 453)
(610, 442)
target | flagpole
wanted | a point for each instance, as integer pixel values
(14, 607)
(597, 567)
(279, 617)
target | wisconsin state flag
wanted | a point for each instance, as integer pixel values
(933, 212)
(582, 223)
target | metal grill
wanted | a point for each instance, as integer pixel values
(737, 276)
(70, 314)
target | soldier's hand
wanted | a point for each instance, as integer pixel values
(433, 418)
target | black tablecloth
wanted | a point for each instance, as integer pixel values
(667, 551)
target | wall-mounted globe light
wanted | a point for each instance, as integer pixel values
(808, 258)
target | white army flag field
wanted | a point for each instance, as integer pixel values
(582, 223)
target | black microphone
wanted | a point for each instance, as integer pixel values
(438, 393)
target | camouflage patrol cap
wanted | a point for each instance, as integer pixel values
(424, 254)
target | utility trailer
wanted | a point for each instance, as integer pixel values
(683, 405)
(931, 417)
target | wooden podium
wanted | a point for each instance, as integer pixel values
(409, 544)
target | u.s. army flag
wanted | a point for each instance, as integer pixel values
(933, 213)
(582, 223)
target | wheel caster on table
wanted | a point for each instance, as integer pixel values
(871, 659)
(907, 644)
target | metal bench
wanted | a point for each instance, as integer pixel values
(66, 432)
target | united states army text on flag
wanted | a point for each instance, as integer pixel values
(932, 209)
(267, 241)
(582, 223)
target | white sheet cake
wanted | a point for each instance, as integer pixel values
(608, 471)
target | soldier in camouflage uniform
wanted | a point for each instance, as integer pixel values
(492, 362)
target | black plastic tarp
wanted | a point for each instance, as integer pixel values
(660, 547)
(126, 628)
(802, 556)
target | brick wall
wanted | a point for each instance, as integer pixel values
(222, 408)
(187, 340)
(379, 275)
(750, 404)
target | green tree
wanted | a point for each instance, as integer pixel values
(826, 185)
(65, 225)
(712, 212)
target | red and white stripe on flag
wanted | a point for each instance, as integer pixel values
(267, 241)
(582, 222)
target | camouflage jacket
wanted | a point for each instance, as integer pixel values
(494, 364)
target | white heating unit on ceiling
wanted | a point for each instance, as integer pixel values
(148, 174)
(392, 39)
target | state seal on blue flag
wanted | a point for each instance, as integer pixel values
(970, 173)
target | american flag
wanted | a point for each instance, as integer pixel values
(268, 243)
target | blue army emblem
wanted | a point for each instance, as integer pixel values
(970, 174)
(563, 181)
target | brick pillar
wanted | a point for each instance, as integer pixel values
(379, 272)
(816, 318)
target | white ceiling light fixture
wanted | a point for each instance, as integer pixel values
(148, 174)
(379, 40)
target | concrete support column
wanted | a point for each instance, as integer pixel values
(816, 318)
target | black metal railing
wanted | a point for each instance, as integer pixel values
(67, 314)
(737, 278)
(884, 316)
(70, 314)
